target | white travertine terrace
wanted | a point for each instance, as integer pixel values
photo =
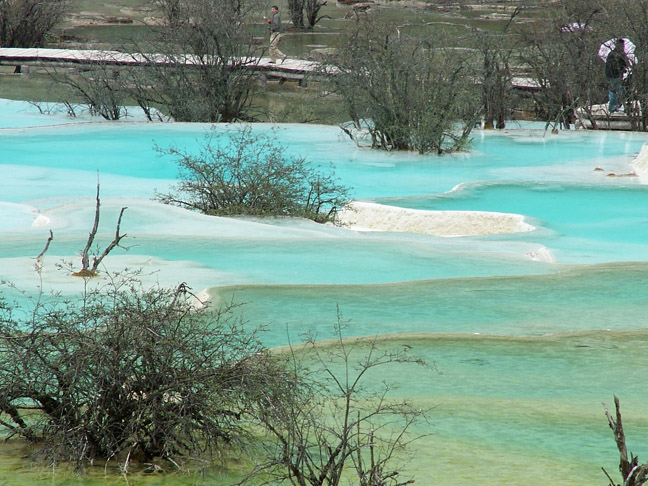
(640, 164)
(377, 217)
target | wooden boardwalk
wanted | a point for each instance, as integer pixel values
(290, 69)
(296, 69)
(603, 119)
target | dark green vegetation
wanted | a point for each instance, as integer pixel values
(252, 175)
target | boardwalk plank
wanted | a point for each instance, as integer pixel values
(295, 69)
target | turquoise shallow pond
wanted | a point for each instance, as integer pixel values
(525, 349)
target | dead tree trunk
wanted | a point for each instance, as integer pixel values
(86, 269)
(39, 259)
(632, 473)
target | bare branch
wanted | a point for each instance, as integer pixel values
(114, 243)
(86, 270)
(632, 473)
(85, 258)
(41, 255)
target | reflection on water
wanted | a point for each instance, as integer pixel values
(525, 350)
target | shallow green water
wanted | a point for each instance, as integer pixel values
(504, 407)
(598, 297)
(501, 407)
(507, 407)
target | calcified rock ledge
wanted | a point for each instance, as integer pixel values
(640, 164)
(366, 216)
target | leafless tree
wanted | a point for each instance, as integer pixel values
(497, 51)
(297, 9)
(312, 9)
(88, 270)
(407, 93)
(195, 67)
(99, 87)
(561, 52)
(207, 51)
(27, 23)
(296, 12)
(629, 18)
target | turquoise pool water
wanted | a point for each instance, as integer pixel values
(581, 223)
(525, 348)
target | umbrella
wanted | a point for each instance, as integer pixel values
(628, 48)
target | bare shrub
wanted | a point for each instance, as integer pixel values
(408, 93)
(27, 23)
(340, 418)
(243, 173)
(128, 373)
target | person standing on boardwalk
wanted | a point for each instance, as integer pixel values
(275, 35)
(616, 65)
